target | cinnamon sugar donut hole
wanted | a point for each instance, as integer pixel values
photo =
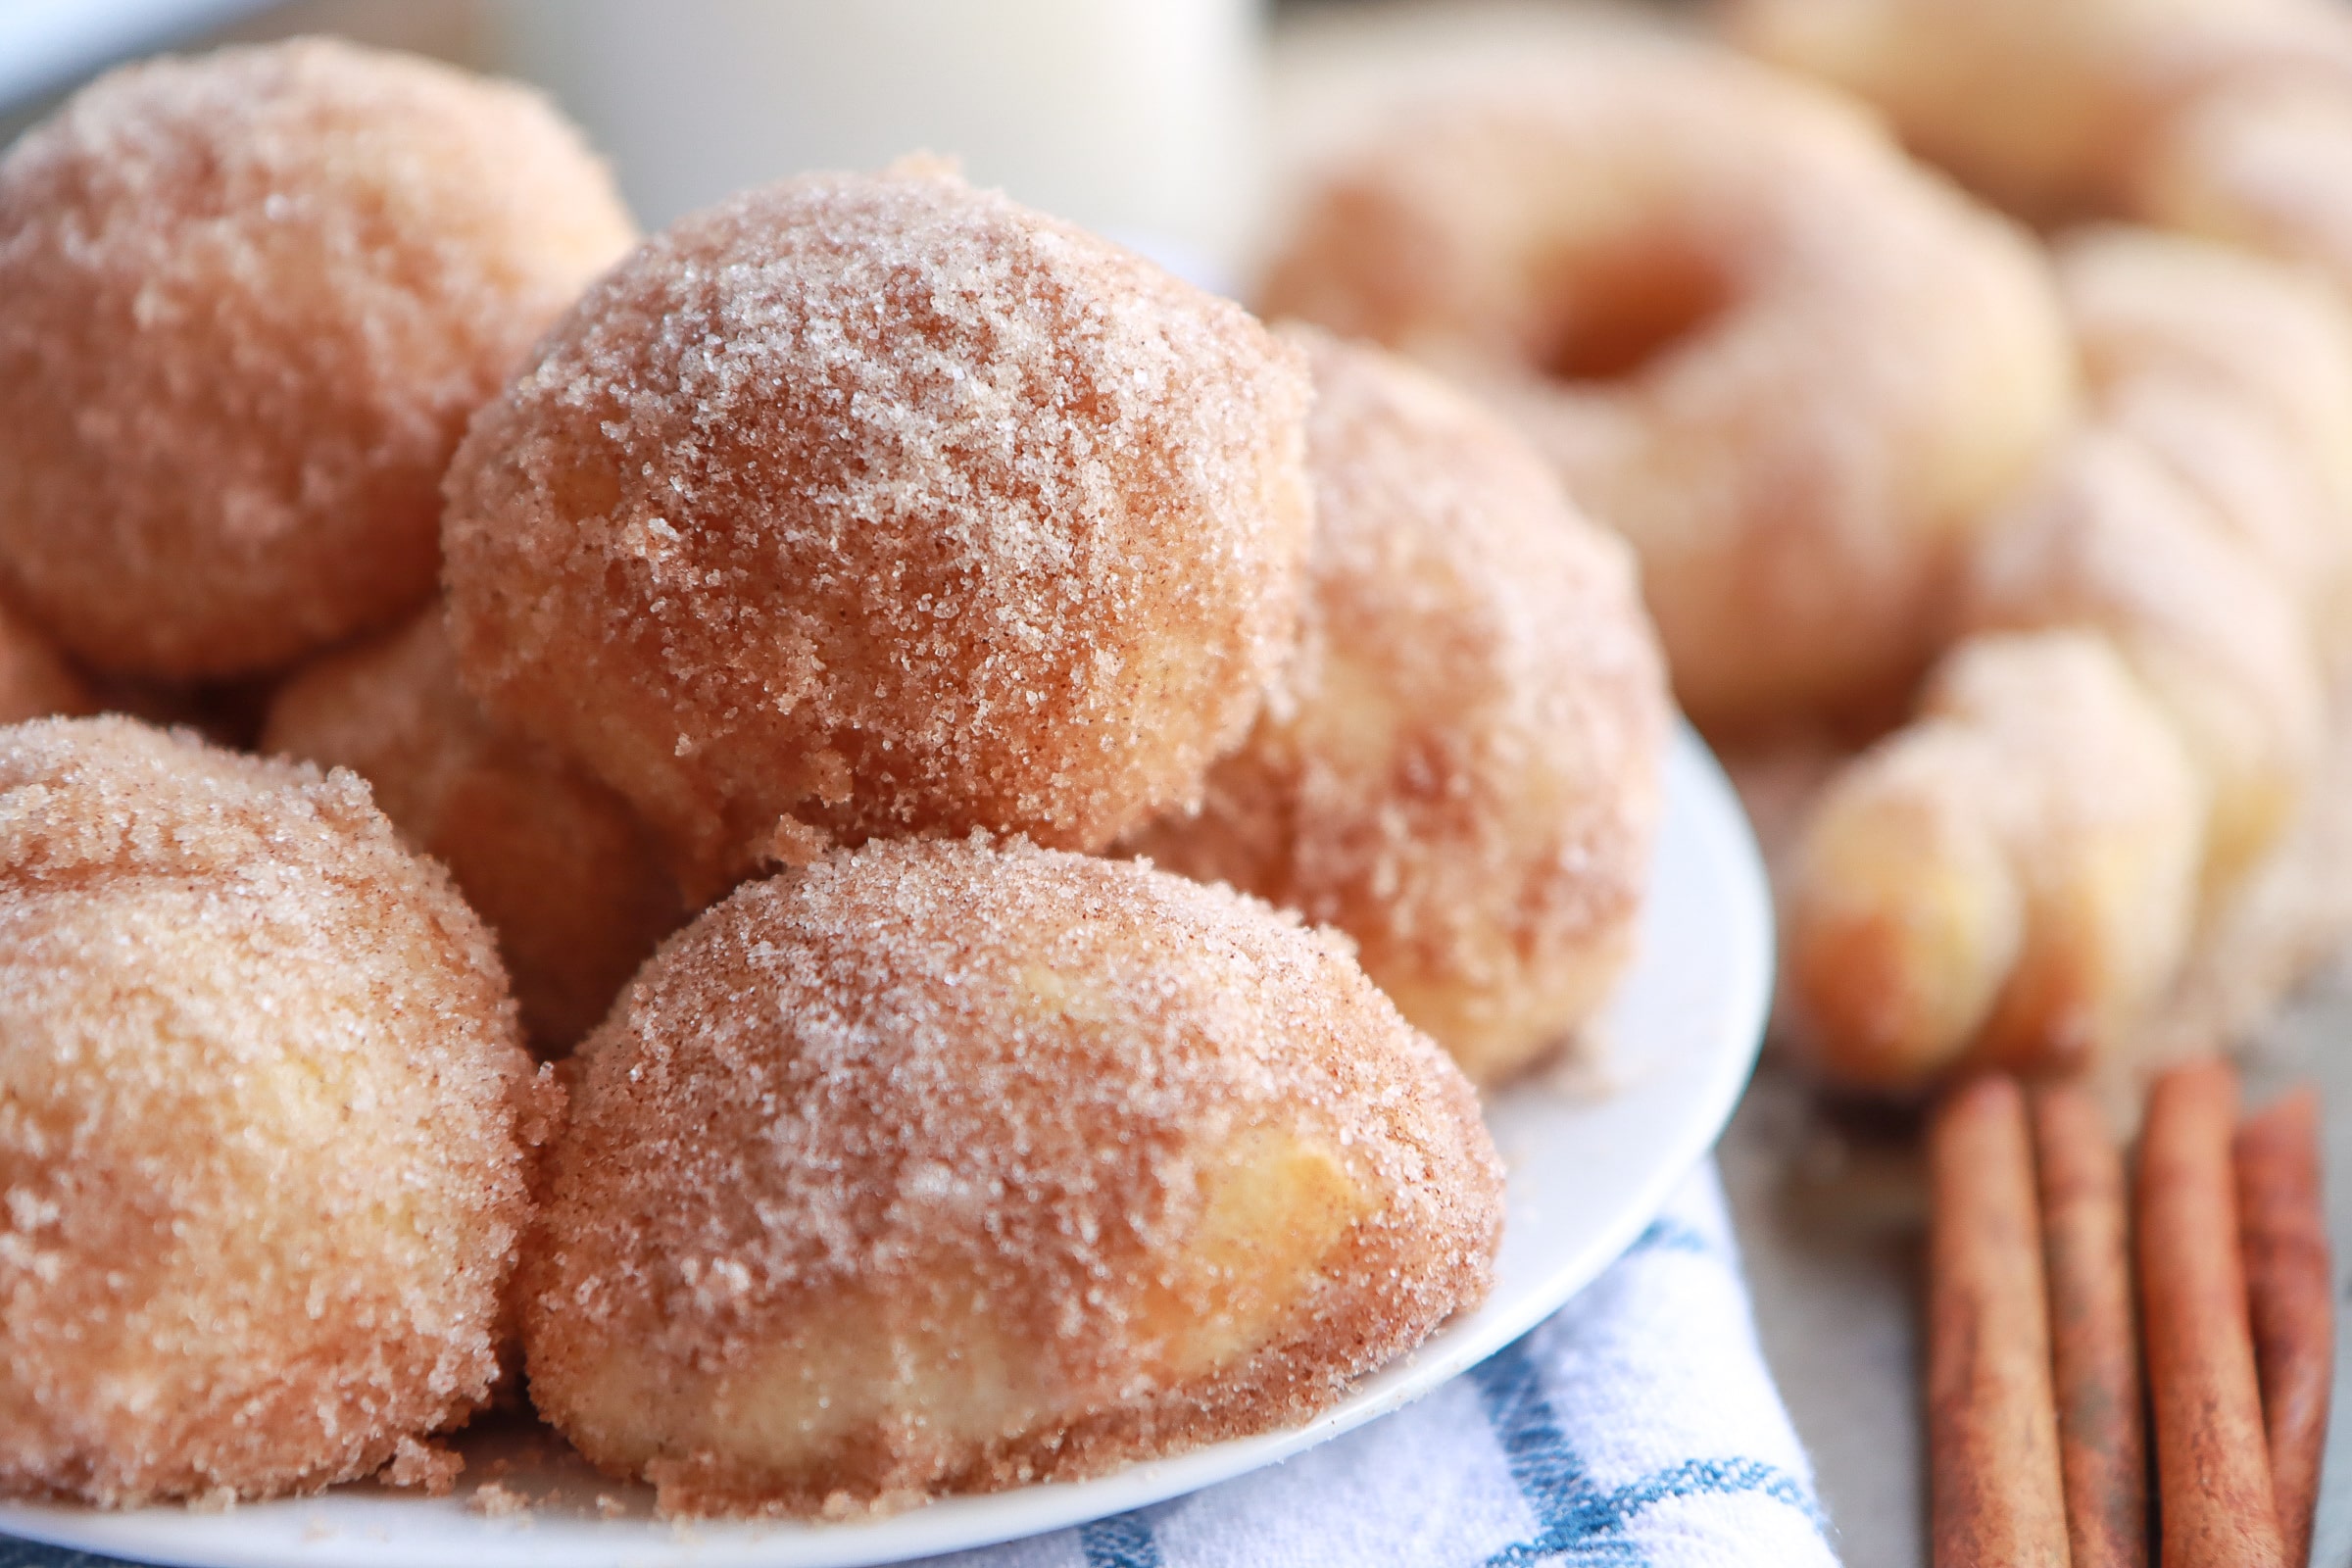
(876, 504)
(935, 1167)
(246, 300)
(263, 1125)
(1792, 368)
(567, 878)
(1462, 770)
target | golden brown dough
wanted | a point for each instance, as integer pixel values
(263, 1125)
(2108, 541)
(937, 1168)
(2197, 525)
(553, 861)
(873, 505)
(246, 300)
(1463, 772)
(2009, 881)
(1789, 366)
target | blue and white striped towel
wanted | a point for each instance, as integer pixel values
(1637, 1427)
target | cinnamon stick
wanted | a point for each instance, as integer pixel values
(2284, 1227)
(1995, 1492)
(2213, 1472)
(2102, 1443)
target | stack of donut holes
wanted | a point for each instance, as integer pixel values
(2043, 539)
(615, 809)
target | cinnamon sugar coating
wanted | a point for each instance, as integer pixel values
(553, 861)
(246, 300)
(1791, 367)
(879, 505)
(939, 1167)
(263, 1116)
(1462, 772)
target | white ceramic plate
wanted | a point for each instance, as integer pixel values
(1590, 1164)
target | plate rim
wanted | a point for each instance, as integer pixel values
(1694, 783)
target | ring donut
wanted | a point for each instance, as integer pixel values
(1789, 368)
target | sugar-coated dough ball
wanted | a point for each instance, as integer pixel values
(246, 300)
(552, 860)
(936, 1168)
(263, 1125)
(870, 505)
(1462, 774)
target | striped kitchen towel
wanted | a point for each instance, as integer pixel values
(1638, 1426)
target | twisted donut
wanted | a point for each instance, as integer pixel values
(2007, 881)
(2195, 527)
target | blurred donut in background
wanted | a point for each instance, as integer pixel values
(1461, 768)
(247, 301)
(1789, 366)
(2042, 107)
(2266, 165)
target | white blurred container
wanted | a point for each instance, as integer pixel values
(1138, 119)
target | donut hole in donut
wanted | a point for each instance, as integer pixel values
(1618, 309)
